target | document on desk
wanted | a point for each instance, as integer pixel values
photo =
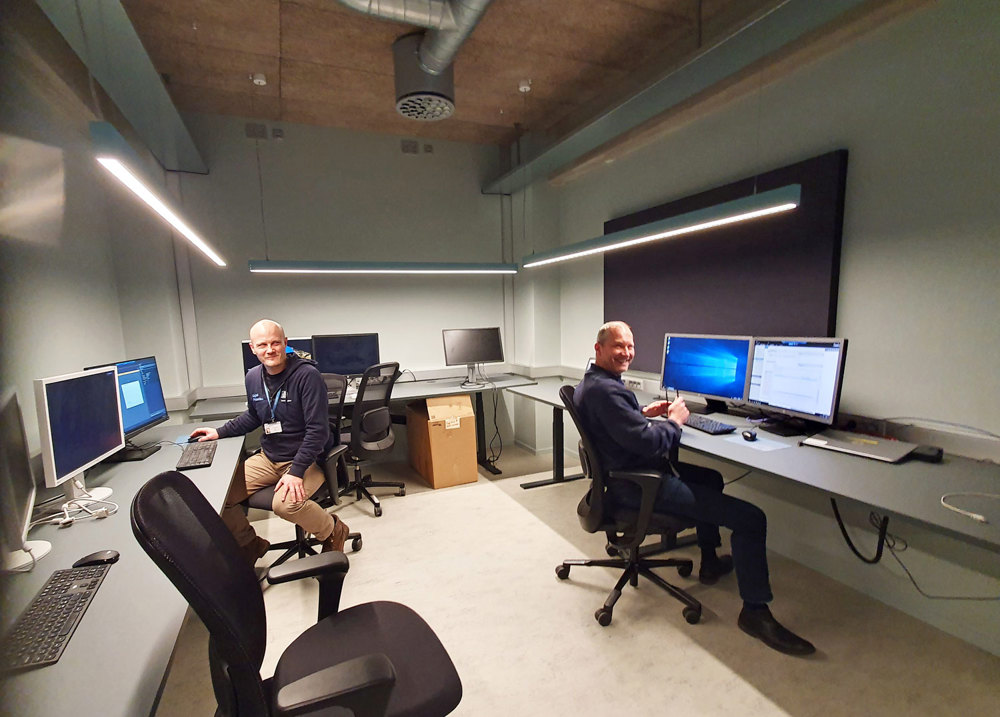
(880, 449)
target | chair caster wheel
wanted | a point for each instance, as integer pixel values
(401, 492)
(378, 511)
(356, 544)
(611, 550)
(603, 617)
(562, 572)
(684, 570)
(692, 615)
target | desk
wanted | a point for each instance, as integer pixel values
(403, 391)
(546, 390)
(117, 659)
(911, 489)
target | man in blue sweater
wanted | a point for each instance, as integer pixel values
(624, 437)
(287, 396)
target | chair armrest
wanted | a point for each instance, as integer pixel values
(649, 484)
(311, 566)
(336, 451)
(362, 685)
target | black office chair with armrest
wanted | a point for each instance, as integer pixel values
(377, 658)
(625, 529)
(371, 431)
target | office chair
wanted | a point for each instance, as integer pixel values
(326, 495)
(371, 431)
(625, 528)
(377, 658)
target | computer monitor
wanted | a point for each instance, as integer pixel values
(143, 407)
(797, 378)
(79, 424)
(17, 490)
(713, 367)
(301, 345)
(346, 354)
(470, 347)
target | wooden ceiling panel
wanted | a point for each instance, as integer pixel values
(338, 37)
(203, 100)
(241, 25)
(210, 67)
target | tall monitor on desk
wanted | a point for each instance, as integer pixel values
(141, 397)
(710, 366)
(346, 354)
(79, 424)
(470, 347)
(17, 490)
(798, 380)
(297, 344)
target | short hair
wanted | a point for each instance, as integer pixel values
(602, 333)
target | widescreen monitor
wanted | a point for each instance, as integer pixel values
(301, 345)
(798, 378)
(470, 347)
(710, 366)
(141, 397)
(17, 490)
(346, 354)
(79, 424)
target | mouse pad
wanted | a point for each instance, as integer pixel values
(761, 444)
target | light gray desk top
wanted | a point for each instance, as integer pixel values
(225, 408)
(116, 660)
(912, 489)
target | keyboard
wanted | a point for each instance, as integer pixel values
(708, 425)
(197, 455)
(43, 630)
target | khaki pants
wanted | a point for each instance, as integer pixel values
(260, 472)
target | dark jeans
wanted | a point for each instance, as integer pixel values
(698, 495)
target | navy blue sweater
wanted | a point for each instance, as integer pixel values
(621, 435)
(302, 409)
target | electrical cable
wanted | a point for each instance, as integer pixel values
(882, 526)
(739, 477)
(967, 513)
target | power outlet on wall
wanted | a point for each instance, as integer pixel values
(634, 383)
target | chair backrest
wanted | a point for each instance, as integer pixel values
(336, 393)
(371, 424)
(186, 538)
(592, 508)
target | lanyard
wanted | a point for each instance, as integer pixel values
(273, 405)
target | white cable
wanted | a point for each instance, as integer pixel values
(967, 513)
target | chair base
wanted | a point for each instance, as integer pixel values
(633, 567)
(303, 546)
(360, 485)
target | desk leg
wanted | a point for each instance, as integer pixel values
(557, 455)
(481, 437)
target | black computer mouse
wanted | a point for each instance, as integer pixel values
(193, 439)
(749, 435)
(101, 557)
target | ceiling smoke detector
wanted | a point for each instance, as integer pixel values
(259, 79)
(419, 94)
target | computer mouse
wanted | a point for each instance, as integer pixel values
(101, 557)
(193, 439)
(749, 435)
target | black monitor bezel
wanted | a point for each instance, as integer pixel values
(792, 413)
(709, 396)
(449, 362)
(145, 426)
(378, 348)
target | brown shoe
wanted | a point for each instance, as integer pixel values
(338, 537)
(255, 550)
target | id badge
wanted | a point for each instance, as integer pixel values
(273, 427)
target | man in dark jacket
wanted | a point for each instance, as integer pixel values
(624, 437)
(287, 396)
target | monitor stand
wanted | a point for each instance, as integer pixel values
(712, 405)
(76, 490)
(786, 426)
(470, 379)
(131, 453)
(19, 559)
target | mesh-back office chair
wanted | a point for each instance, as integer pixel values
(377, 658)
(625, 528)
(326, 495)
(371, 431)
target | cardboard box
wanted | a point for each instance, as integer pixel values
(441, 433)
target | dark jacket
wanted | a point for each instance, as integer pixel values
(621, 435)
(301, 407)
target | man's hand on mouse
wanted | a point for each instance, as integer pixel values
(203, 434)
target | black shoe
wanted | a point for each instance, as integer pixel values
(760, 623)
(710, 571)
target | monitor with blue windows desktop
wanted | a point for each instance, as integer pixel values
(141, 396)
(712, 367)
(79, 425)
(301, 345)
(346, 354)
(797, 382)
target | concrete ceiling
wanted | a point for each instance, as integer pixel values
(328, 65)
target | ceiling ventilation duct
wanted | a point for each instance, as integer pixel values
(425, 85)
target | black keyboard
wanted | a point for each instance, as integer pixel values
(197, 455)
(43, 630)
(708, 425)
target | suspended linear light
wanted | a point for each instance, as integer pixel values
(764, 204)
(115, 156)
(260, 266)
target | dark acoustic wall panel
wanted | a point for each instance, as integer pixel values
(776, 276)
